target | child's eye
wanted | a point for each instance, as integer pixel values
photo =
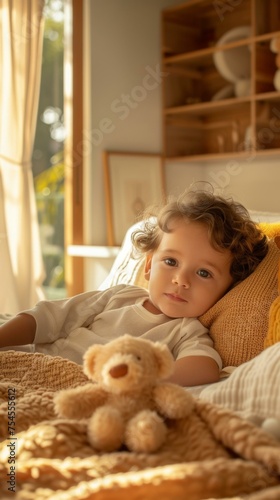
(203, 273)
(170, 262)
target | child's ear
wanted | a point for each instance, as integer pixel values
(147, 268)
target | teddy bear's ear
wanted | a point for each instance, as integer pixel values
(164, 359)
(89, 360)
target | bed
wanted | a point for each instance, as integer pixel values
(222, 450)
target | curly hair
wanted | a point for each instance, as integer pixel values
(229, 226)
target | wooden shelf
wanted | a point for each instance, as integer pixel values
(197, 54)
(198, 125)
(237, 155)
(211, 106)
(204, 107)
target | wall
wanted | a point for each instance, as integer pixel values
(254, 183)
(123, 46)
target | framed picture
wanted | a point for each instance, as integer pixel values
(133, 181)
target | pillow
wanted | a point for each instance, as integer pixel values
(238, 322)
(273, 334)
(126, 269)
(271, 229)
(261, 216)
(252, 389)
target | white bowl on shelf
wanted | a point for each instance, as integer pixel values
(234, 64)
(224, 93)
(276, 80)
(242, 87)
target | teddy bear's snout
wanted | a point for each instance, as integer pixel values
(119, 371)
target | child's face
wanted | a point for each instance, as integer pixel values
(186, 274)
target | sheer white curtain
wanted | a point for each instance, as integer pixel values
(21, 38)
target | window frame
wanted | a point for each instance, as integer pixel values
(73, 148)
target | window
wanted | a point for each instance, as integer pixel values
(58, 185)
(48, 152)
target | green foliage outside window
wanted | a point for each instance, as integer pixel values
(48, 152)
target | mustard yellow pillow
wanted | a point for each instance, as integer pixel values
(273, 334)
(238, 322)
(271, 229)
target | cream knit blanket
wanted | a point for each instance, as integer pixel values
(212, 454)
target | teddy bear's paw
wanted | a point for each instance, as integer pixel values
(106, 429)
(173, 401)
(272, 426)
(78, 402)
(145, 433)
(63, 405)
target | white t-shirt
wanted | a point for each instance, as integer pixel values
(68, 327)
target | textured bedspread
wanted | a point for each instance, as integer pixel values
(212, 454)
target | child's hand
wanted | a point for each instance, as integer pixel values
(20, 330)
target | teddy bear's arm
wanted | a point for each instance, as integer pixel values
(79, 402)
(172, 401)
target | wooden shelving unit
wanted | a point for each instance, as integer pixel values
(197, 126)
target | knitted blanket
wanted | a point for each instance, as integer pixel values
(211, 454)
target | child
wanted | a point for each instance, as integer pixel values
(197, 248)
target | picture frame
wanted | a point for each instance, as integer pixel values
(132, 181)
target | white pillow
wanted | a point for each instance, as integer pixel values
(126, 269)
(260, 216)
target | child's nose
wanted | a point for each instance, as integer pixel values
(181, 280)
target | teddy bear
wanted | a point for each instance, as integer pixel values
(128, 401)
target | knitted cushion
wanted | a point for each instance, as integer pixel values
(273, 334)
(238, 322)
